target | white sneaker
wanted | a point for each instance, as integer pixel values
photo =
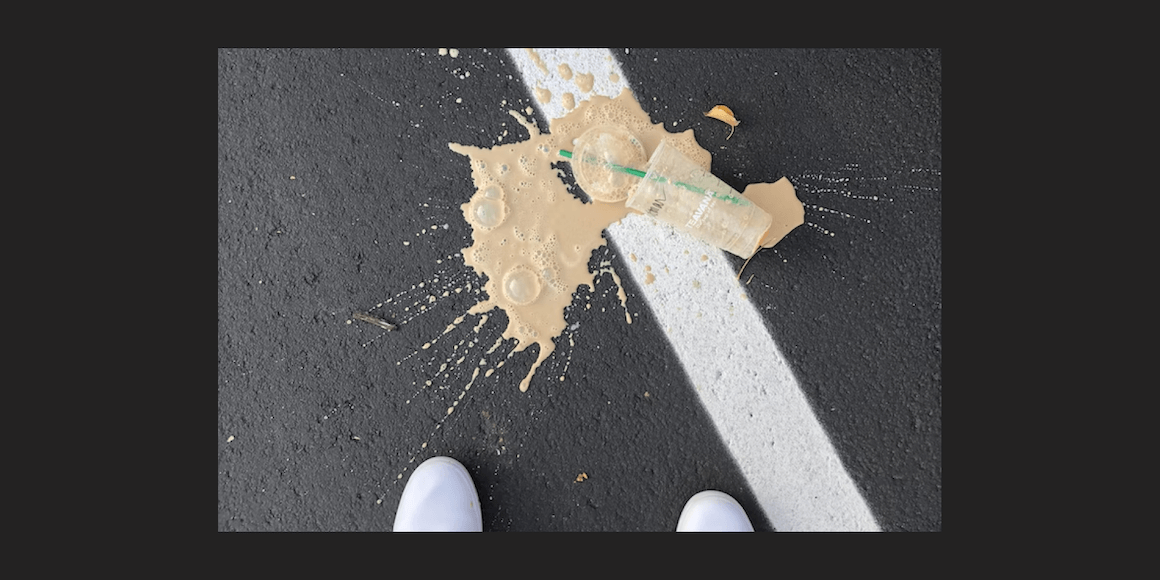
(440, 497)
(713, 511)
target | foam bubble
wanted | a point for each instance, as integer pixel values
(521, 286)
(489, 213)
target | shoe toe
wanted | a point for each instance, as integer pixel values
(439, 497)
(713, 511)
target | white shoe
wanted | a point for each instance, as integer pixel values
(440, 497)
(713, 511)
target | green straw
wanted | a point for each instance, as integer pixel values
(642, 174)
(612, 166)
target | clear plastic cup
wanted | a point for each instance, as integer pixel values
(676, 191)
(595, 155)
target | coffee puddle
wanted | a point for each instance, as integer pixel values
(533, 239)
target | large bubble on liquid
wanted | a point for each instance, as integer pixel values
(488, 210)
(521, 286)
(595, 155)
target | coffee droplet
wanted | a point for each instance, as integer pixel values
(521, 286)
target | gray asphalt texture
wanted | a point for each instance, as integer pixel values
(322, 422)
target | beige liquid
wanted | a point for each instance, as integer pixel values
(779, 200)
(584, 81)
(532, 238)
(535, 56)
(543, 95)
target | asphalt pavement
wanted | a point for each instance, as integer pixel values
(338, 195)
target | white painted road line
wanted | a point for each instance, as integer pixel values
(742, 380)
